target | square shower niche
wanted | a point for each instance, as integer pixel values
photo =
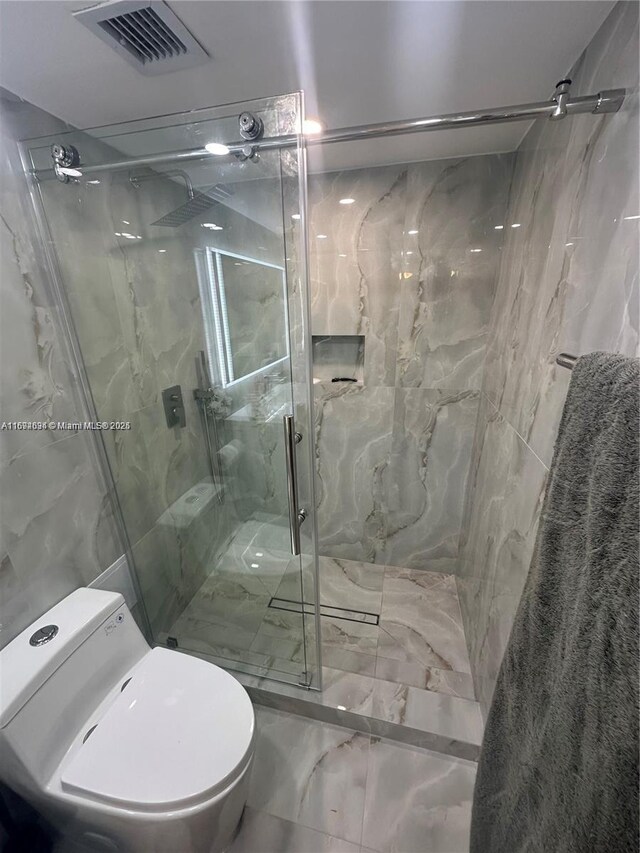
(338, 358)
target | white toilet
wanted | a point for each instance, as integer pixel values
(122, 747)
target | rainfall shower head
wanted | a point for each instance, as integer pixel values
(201, 201)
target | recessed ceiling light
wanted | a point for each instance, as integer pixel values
(217, 148)
(498, 227)
(475, 250)
(93, 182)
(413, 231)
(117, 233)
(341, 255)
(295, 216)
(311, 126)
(347, 200)
(211, 226)
(409, 253)
(321, 236)
(126, 222)
(162, 251)
(516, 225)
(255, 565)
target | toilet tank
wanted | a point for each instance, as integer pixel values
(52, 680)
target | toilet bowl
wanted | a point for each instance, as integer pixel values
(120, 746)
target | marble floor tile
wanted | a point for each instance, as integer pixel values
(421, 621)
(290, 649)
(210, 635)
(448, 717)
(416, 800)
(351, 584)
(310, 773)
(347, 691)
(259, 565)
(345, 635)
(425, 677)
(260, 832)
(356, 662)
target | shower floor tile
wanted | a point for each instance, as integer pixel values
(407, 677)
(419, 641)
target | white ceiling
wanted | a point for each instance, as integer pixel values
(358, 62)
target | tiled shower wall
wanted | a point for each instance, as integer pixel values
(57, 530)
(412, 267)
(568, 282)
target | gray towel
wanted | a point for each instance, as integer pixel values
(558, 771)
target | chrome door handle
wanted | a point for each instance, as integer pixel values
(296, 516)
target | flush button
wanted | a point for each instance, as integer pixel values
(43, 635)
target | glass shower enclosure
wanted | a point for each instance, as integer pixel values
(184, 284)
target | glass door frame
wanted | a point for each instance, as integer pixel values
(299, 340)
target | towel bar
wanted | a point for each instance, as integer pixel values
(566, 360)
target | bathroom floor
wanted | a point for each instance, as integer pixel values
(319, 788)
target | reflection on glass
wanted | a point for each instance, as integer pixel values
(249, 305)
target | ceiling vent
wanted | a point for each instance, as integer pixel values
(144, 32)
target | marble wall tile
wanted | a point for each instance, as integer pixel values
(504, 502)
(397, 268)
(58, 529)
(427, 476)
(353, 444)
(568, 282)
(354, 269)
(446, 300)
(55, 536)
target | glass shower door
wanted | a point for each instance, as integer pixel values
(184, 280)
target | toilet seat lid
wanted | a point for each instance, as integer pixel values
(180, 732)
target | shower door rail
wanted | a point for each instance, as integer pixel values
(559, 106)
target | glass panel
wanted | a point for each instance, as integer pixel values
(180, 280)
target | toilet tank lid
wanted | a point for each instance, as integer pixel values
(24, 667)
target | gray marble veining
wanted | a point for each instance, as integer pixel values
(416, 800)
(310, 773)
(317, 788)
(411, 267)
(351, 584)
(568, 282)
(421, 620)
(57, 530)
(427, 476)
(269, 834)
